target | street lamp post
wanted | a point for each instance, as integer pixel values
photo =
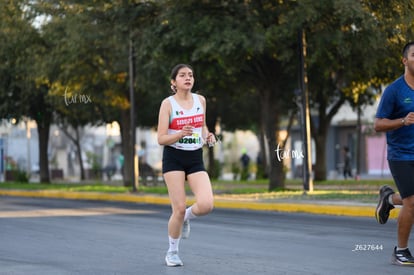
(305, 115)
(134, 170)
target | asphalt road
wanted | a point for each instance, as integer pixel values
(52, 236)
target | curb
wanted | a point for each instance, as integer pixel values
(220, 202)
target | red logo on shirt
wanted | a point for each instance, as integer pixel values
(196, 121)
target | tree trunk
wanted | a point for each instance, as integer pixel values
(211, 160)
(276, 171)
(211, 121)
(127, 151)
(270, 120)
(262, 157)
(43, 130)
(76, 141)
(320, 164)
(320, 133)
(79, 153)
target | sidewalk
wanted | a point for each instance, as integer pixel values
(248, 202)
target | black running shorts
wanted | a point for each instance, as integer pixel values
(403, 174)
(181, 160)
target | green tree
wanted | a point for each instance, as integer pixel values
(347, 44)
(20, 50)
(234, 47)
(89, 46)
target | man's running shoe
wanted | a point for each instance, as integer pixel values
(402, 257)
(384, 207)
(172, 259)
(185, 232)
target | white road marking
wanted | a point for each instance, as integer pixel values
(70, 212)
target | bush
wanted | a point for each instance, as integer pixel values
(216, 171)
(17, 176)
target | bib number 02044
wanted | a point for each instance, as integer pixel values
(190, 140)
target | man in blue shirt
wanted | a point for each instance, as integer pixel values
(395, 116)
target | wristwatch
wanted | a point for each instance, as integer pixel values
(403, 121)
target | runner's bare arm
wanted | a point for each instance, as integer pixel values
(163, 121)
(385, 124)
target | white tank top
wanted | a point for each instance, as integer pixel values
(180, 117)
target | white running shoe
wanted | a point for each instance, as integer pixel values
(185, 232)
(172, 259)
